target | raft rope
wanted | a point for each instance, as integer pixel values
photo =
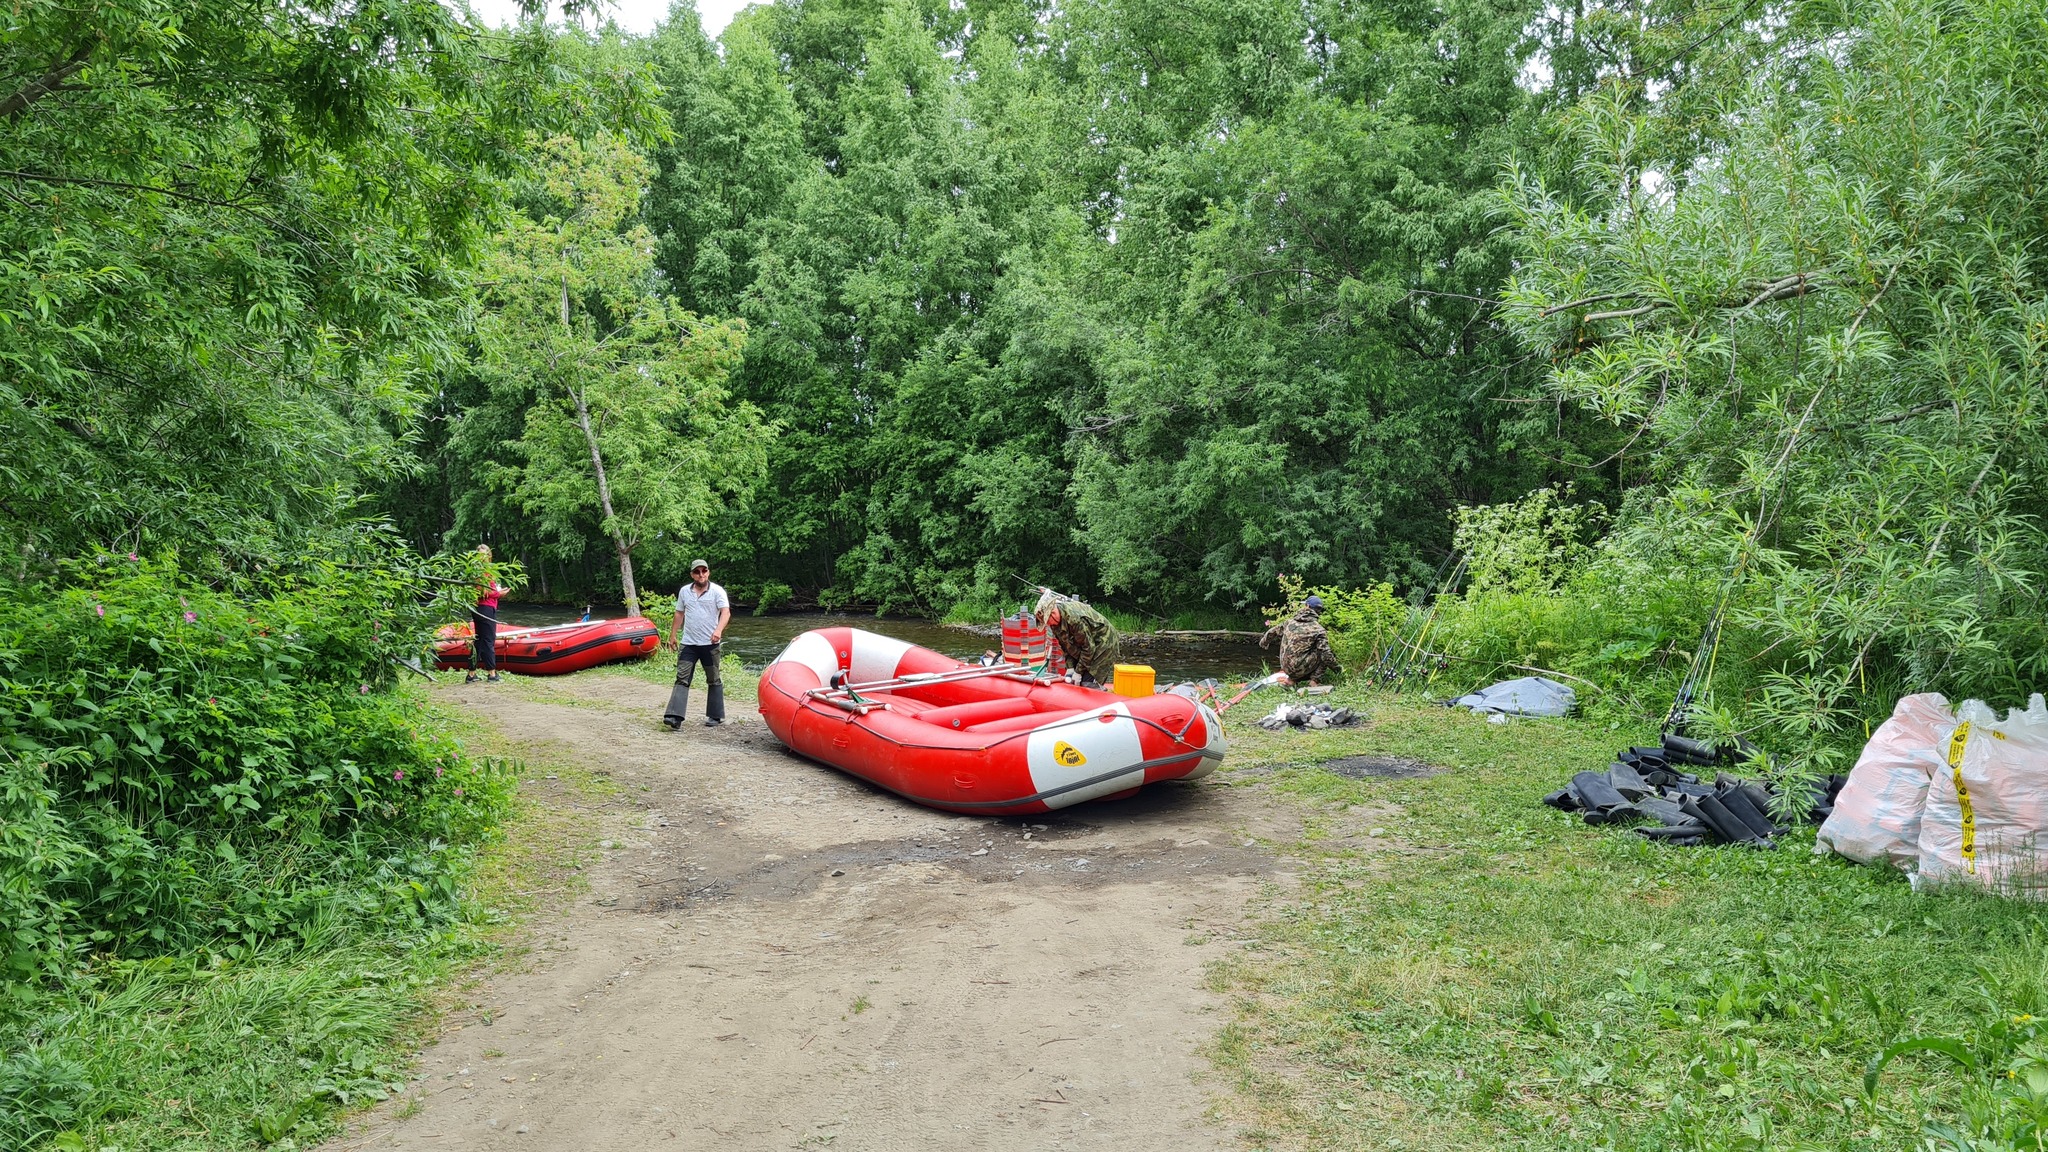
(1140, 768)
(851, 714)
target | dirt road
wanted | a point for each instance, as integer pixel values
(773, 955)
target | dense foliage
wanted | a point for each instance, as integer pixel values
(237, 239)
(191, 768)
(233, 233)
(1826, 338)
(1141, 300)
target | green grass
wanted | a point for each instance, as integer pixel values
(274, 1048)
(1496, 974)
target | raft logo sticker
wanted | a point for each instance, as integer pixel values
(1068, 755)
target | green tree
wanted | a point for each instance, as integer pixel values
(627, 429)
(234, 235)
(1298, 263)
(1830, 334)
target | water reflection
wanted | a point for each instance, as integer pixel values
(758, 639)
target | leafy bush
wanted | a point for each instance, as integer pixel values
(1830, 317)
(1361, 622)
(186, 769)
(1527, 545)
(774, 594)
(1622, 614)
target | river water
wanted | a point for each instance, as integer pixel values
(758, 639)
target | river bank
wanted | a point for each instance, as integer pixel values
(758, 639)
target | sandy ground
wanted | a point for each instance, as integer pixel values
(771, 954)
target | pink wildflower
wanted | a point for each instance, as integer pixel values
(131, 555)
(191, 617)
(458, 793)
(399, 774)
(362, 689)
(438, 770)
(100, 610)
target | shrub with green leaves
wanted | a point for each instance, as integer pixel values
(185, 769)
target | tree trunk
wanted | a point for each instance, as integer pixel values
(604, 488)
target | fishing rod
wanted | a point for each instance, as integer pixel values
(1412, 646)
(1403, 642)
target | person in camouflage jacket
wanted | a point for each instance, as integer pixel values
(1305, 653)
(1089, 641)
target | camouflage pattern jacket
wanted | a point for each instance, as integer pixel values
(1089, 641)
(1304, 646)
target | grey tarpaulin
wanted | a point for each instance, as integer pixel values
(1528, 696)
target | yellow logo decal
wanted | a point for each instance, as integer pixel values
(1068, 755)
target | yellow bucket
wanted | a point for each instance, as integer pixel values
(1133, 680)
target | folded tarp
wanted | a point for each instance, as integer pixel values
(1528, 696)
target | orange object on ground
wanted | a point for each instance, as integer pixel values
(554, 650)
(990, 741)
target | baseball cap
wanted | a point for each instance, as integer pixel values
(696, 564)
(1315, 602)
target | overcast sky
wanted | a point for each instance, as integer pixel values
(632, 15)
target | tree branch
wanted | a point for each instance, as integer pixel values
(1625, 313)
(173, 193)
(1600, 299)
(1797, 284)
(51, 81)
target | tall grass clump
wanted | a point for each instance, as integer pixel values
(203, 790)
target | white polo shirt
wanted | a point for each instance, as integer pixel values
(700, 613)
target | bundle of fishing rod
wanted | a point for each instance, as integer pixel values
(1666, 786)
(1408, 656)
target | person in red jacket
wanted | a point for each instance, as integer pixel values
(484, 617)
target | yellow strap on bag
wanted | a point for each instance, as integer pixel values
(1955, 765)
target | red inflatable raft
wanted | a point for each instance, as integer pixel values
(990, 741)
(554, 650)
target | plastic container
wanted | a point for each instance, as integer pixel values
(1025, 641)
(1134, 680)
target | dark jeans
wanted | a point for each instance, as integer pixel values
(688, 656)
(485, 646)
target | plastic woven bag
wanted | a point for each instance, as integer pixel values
(1986, 820)
(1877, 814)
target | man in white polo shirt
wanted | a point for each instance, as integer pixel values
(702, 612)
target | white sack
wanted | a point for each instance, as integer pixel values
(1877, 814)
(1993, 831)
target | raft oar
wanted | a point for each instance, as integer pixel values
(1263, 681)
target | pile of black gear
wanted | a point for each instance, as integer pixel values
(1653, 784)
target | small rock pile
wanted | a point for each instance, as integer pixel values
(1652, 784)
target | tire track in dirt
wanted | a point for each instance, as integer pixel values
(774, 955)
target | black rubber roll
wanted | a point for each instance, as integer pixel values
(1738, 805)
(1688, 750)
(1628, 782)
(1593, 789)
